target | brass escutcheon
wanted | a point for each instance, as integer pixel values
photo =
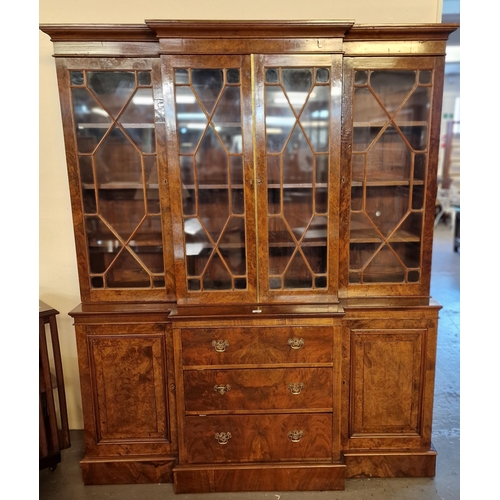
(220, 345)
(222, 437)
(295, 343)
(296, 387)
(295, 436)
(221, 389)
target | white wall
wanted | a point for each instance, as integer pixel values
(58, 283)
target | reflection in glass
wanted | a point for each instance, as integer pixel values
(207, 83)
(112, 88)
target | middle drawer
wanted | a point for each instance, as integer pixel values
(274, 388)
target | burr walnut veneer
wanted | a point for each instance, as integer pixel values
(253, 208)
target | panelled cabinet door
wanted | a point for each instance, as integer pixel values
(297, 121)
(393, 103)
(208, 106)
(113, 115)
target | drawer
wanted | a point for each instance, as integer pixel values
(249, 438)
(289, 388)
(257, 345)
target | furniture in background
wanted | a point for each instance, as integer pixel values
(53, 417)
(253, 205)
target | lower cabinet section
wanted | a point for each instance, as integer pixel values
(220, 404)
(127, 383)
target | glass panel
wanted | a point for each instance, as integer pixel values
(361, 78)
(272, 75)
(126, 270)
(424, 77)
(236, 167)
(385, 267)
(322, 75)
(386, 206)
(138, 120)
(297, 83)
(298, 274)
(181, 76)
(152, 193)
(232, 245)
(216, 276)
(392, 87)
(322, 168)
(279, 119)
(366, 108)
(419, 167)
(112, 88)
(417, 107)
(191, 120)
(207, 84)
(92, 121)
(144, 78)
(211, 160)
(315, 119)
(76, 77)
(86, 173)
(117, 160)
(119, 177)
(389, 158)
(233, 76)
(297, 159)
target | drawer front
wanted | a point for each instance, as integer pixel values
(257, 345)
(248, 438)
(289, 388)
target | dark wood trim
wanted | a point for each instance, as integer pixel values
(249, 29)
(420, 32)
(99, 32)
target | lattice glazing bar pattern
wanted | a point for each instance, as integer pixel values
(391, 110)
(209, 120)
(297, 104)
(115, 137)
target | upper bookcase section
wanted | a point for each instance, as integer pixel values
(156, 37)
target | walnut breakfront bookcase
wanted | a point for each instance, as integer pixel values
(253, 208)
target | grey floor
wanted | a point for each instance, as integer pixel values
(65, 483)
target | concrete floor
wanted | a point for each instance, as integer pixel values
(65, 483)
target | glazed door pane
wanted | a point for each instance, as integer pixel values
(114, 120)
(300, 113)
(209, 163)
(390, 155)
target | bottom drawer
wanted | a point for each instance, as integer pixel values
(254, 438)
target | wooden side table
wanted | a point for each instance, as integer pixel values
(54, 431)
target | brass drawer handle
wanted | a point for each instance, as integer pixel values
(295, 436)
(220, 345)
(221, 389)
(295, 343)
(223, 437)
(296, 387)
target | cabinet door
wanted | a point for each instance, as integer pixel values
(210, 173)
(123, 372)
(297, 117)
(393, 106)
(110, 122)
(391, 386)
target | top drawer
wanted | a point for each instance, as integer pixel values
(257, 345)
